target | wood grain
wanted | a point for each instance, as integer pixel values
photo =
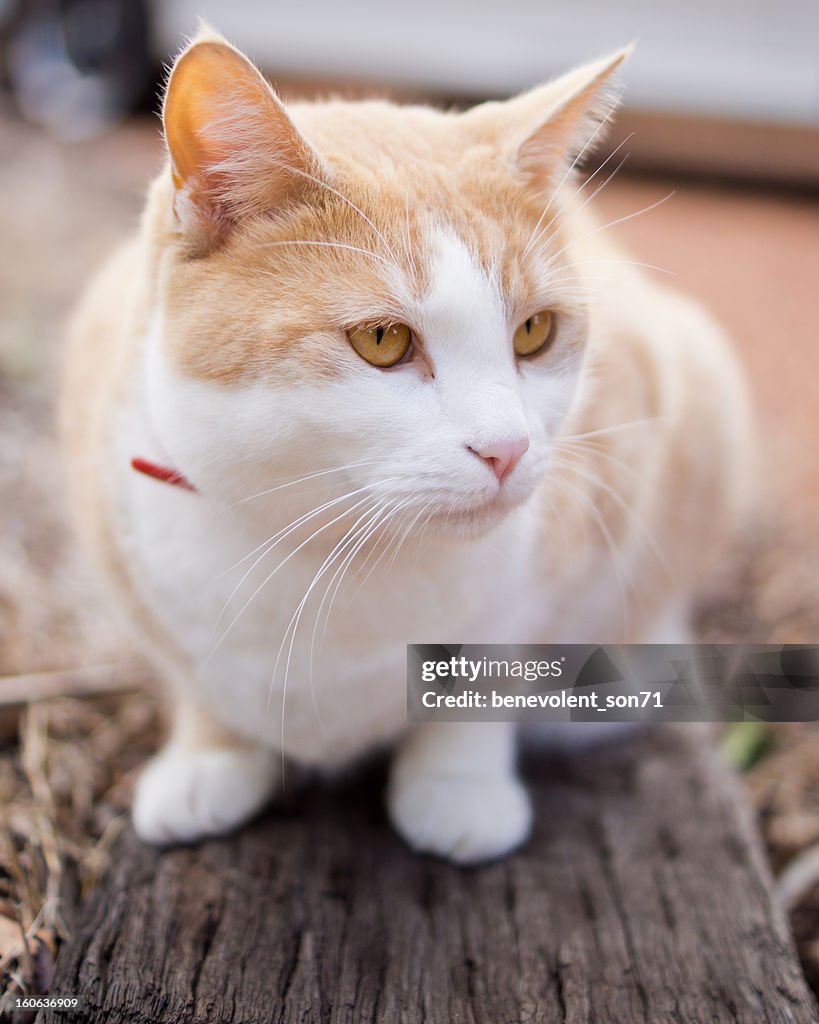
(642, 897)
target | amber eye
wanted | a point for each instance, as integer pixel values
(534, 334)
(381, 346)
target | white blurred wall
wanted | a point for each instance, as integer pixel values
(754, 60)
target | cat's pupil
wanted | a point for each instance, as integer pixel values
(379, 334)
(529, 326)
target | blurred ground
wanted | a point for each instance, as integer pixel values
(66, 766)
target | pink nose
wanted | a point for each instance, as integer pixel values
(502, 456)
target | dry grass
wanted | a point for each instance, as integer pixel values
(64, 792)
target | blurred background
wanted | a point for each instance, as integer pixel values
(735, 84)
(719, 187)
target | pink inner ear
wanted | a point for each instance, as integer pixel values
(564, 116)
(213, 99)
(233, 147)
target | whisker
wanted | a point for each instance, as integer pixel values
(348, 538)
(303, 479)
(292, 626)
(339, 573)
(385, 524)
(326, 244)
(400, 544)
(589, 198)
(429, 515)
(323, 184)
(284, 561)
(616, 554)
(603, 163)
(613, 223)
(628, 263)
(572, 166)
(618, 498)
(279, 536)
(592, 449)
(646, 421)
(296, 522)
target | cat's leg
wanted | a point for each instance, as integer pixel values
(204, 782)
(454, 791)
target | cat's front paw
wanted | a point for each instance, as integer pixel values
(463, 818)
(186, 795)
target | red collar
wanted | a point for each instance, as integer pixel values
(163, 473)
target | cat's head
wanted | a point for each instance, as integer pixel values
(378, 297)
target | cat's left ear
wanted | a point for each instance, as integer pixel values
(233, 148)
(543, 131)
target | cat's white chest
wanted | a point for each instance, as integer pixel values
(302, 654)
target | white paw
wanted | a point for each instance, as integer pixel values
(463, 818)
(185, 795)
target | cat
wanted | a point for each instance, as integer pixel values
(370, 375)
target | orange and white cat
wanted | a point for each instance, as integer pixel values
(408, 392)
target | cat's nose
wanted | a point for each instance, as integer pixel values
(502, 456)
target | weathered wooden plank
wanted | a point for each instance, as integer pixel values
(643, 897)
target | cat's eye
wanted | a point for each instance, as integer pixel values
(534, 334)
(382, 346)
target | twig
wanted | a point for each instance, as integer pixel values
(91, 681)
(34, 743)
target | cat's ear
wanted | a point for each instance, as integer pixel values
(543, 131)
(234, 150)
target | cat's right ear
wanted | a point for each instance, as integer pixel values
(234, 150)
(545, 131)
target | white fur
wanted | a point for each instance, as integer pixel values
(183, 795)
(454, 792)
(323, 699)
